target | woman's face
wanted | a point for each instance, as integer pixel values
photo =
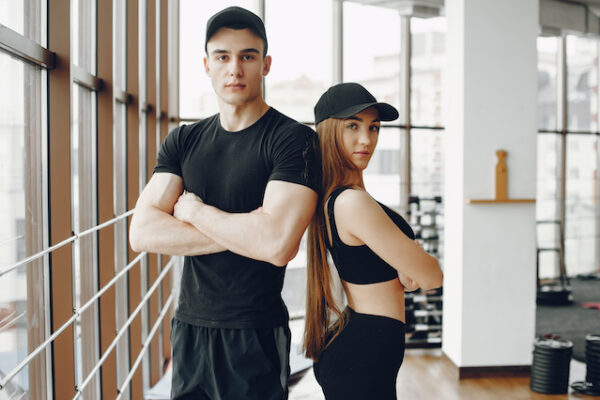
(359, 136)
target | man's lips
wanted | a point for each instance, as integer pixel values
(235, 85)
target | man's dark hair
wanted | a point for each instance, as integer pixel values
(239, 26)
(236, 18)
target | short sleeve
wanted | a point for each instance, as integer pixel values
(296, 157)
(169, 156)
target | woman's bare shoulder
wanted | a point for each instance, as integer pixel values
(354, 201)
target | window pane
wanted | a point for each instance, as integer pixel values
(382, 175)
(25, 18)
(427, 160)
(427, 61)
(547, 81)
(296, 80)
(196, 96)
(121, 243)
(372, 50)
(83, 155)
(581, 235)
(12, 14)
(582, 91)
(84, 38)
(22, 291)
(427, 188)
(547, 206)
(120, 39)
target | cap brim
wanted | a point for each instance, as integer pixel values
(386, 111)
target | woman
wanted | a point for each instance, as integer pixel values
(358, 351)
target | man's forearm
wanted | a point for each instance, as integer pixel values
(155, 231)
(251, 235)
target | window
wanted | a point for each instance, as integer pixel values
(427, 161)
(427, 65)
(372, 50)
(582, 87)
(381, 177)
(302, 58)
(581, 233)
(547, 76)
(21, 174)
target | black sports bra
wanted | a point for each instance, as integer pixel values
(359, 264)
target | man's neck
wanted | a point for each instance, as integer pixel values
(235, 118)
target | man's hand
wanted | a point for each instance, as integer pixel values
(269, 233)
(187, 206)
(153, 227)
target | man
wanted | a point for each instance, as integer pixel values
(234, 193)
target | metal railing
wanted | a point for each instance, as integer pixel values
(89, 303)
(57, 246)
(120, 332)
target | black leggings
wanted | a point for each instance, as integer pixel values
(363, 361)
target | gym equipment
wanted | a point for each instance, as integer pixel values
(423, 309)
(425, 214)
(554, 291)
(591, 386)
(551, 364)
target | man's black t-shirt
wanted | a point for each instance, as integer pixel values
(230, 170)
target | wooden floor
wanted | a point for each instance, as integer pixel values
(428, 375)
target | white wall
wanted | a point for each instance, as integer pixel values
(491, 97)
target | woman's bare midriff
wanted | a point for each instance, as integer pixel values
(382, 298)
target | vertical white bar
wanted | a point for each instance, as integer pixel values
(405, 98)
(338, 41)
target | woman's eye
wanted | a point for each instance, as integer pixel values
(351, 126)
(374, 128)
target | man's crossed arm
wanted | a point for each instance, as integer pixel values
(166, 223)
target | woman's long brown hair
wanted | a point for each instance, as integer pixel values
(337, 170)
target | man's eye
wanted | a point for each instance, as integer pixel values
(247, 57)
(221, 58)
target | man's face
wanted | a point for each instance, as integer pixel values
(235, 65)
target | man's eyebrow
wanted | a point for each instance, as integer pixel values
(248, 50)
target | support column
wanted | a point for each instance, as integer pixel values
(59, 162)
(489, 268)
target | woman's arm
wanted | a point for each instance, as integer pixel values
(359, 218)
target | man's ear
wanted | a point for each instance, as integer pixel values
(266, 65)
(206, 67)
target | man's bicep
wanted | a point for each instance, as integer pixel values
(291, 203)
(162, 192)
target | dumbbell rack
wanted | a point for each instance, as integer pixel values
(424, 308)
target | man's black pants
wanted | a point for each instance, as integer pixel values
(229, 364)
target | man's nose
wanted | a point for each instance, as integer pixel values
(235, 68)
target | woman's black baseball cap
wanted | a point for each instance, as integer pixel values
(347, 99)
(232, 16)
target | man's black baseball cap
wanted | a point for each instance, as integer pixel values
(347, 99)
(232, 16)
